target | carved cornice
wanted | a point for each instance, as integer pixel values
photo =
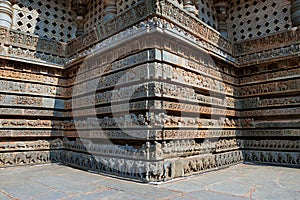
(18, 44)
(147, 8)
(148, 15)
(104, 30)
(170, 16)
(183, 19)
(279, 40)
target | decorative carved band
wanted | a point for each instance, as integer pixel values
(26, 45)
(31, 145)
(168, 13)
(30, 133)
(29, 158)
(153, 134)
(273, 157)
(288, 38)
(287, 145)
(152, 171)
(269, 133)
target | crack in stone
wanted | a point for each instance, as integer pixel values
(277, 180)
(8, 195)
(252, 191)
(224, 193)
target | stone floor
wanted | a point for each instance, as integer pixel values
(237, 182)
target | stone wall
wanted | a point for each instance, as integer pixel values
(144, 110)
(32, 107)
(152, 94)
(269, 99)
(250, 19)
(47, 19)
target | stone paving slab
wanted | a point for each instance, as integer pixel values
(65, 183)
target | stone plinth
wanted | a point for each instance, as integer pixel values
(152, 93)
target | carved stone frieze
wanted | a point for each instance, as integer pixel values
(273, 67)
(84, 110)
(177, 148)
(17, 52)
(24, 45)
(269, 133)
(268, 55)
(142, 72)
(181, 107)
(88, 76)
(138, 12)
(227, 144)
(113, 26)
(209, 162)
(272, 76)
(153, 23)
(30, 88)
(218, 70)
(149, 89)
(268, 88)
(32, 42)
(276, 123)
(273, 157)
(182, 134)
(169, 92)
(200, 81)
(288, 38)
(155, 151)
(138, 169)
(87, 146)
(81, 42)
(287, 145)
(168, 9)
(271, 112)
(30, 133)
(135, 134)
(30, 112)
(33, 101)
(31, 145)
(28, 158)
(150, 134)
(25, 76)
(258, 102)
(22, 123)
(146, 170)
(151, 119)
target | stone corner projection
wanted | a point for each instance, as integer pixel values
(150, 90)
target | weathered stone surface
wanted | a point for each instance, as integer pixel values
(242, 182)
(151, 92)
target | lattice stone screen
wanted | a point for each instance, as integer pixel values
(251, 19)
(207, 13)
(46, 18)
(94, 15)
(125, 4)
(96, 11)
(152, 101)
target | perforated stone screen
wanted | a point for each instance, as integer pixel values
(125, 4)
(96, 11)
(51, 19)
(256, 18)
(94, 15)
(207, 13)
